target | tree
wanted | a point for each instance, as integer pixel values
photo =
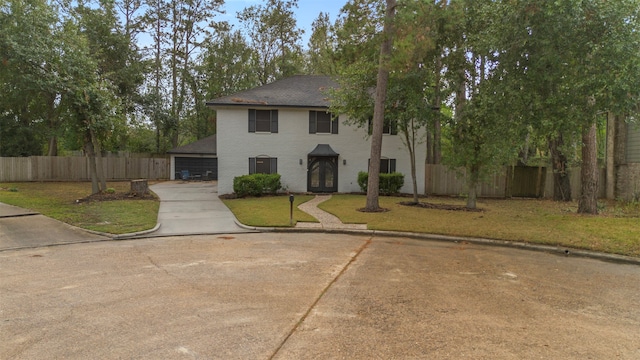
(373, 181)
(273, 34)
(320, 56)
(571, 61)
(483, 132)
(29, 76)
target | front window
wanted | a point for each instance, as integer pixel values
(263, 165)
(322, 122)
(388, 128)
(387, 166)
(263, 121)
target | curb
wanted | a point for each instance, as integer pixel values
(135, 234)
(19, 215)
(550, 249)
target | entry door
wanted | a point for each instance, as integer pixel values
(322, 175)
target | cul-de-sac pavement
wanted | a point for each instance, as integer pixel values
(202, 287)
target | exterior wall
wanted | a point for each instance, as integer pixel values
(293, 143)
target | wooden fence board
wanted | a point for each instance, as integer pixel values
(535, 182)
(76, 168)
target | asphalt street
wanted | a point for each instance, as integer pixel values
(312, 296)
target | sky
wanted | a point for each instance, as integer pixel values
(306, 12)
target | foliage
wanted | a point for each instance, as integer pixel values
(320, 55)
(275, 37)
(256, 184)
(390, 183)
(566, 63)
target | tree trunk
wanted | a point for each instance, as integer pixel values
(610, 161)
(410, 137)
(373, 183)
(102, 182)
(588, 203)
(91, 156)
(561, 181)
(472, 183)
(53, 146)
(437, 127)
(429, 137)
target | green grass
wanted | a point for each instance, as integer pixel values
(58, 200)
(269, 211)
(616, 230)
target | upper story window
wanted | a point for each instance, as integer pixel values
(389, 127)
(265, 121)
(322, 122)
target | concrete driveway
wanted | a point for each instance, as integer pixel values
(192, 208)
(313, 296)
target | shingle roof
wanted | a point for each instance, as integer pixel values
(295, 91)
(206, 146)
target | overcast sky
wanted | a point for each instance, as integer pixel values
(306, 12)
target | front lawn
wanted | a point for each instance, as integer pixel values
(269, 211)
(615, 230)
(64, 201)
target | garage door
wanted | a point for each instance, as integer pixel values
(198, 166)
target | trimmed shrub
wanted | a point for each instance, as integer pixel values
(389, 183)
(256, 184)
(363, 179)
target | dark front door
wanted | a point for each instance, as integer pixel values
(322, 175)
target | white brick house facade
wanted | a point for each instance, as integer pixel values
(290, 142)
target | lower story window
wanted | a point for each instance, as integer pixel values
(263, 165)
(387, 166)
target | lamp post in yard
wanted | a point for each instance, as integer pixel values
(291, 198)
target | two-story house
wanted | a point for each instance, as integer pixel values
(285, 128)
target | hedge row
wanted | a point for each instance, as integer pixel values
(256, 184)
(389, 183)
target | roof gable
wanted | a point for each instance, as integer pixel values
(205, 146)
(295, 91)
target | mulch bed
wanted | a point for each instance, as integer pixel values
(425, 205)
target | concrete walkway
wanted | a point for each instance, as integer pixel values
(327, 221)
(22, 228)
(192, 208)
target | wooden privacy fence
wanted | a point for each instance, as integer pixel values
(519, 181)
(76, 168)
